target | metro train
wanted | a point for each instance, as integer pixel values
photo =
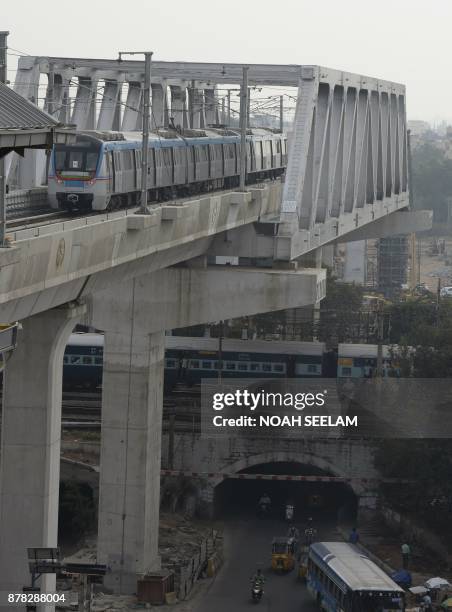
(102, 170)
(189, 360)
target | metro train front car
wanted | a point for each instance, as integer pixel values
(79, 175)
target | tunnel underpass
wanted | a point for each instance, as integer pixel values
(324, 501)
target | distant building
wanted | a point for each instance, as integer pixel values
(417, 127)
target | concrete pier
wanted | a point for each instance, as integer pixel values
(132, 403)
(30, 445)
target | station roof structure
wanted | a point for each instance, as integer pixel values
(24, 126)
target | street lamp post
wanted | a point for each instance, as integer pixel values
(145, 106)
(3, 79)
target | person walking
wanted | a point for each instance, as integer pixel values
(354, 536)
(406, 554)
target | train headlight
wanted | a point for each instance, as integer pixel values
(59, 180)
(91, 181)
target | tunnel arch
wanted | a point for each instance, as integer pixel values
(305, 459)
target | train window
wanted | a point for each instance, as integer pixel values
(229, 151)
(243, 367)
(65, 360)
(117, 159)
(278, 146)
(255, 367)
(98, 360)
(312, 369)
(201, 153)
(76, 359)
(194, 364)
(91, 162)
(170, 363)
(230, 365)
(127, 160)
(87, 360)
(346, 371)
(266, 367)
(206, 365)
(167, 161)
(278, 367)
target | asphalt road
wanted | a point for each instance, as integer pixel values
(248, 546)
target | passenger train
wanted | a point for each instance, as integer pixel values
(189, 360)
(102, 170)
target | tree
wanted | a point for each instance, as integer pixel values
(339, 311)
(432, 180)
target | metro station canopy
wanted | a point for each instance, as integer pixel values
(24, 126)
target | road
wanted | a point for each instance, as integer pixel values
(248, 546)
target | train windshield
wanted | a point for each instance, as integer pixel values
(80, 158)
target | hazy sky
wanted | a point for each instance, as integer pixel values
(408, 41)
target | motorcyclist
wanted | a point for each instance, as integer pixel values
(258, 579)
(289, 510)
(310, 532)
(265, 502)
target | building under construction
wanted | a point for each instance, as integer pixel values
(392, 264)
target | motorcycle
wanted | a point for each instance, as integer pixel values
(290, 511)
(256, 592)
(263, 510)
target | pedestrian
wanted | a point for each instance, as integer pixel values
(354, 536)
(406, 554)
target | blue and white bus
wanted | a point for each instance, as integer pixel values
(343, 579)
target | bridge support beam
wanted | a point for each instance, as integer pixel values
(30, 446)
(134, 321)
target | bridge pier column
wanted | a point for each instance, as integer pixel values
(132, 401)
(30, 445)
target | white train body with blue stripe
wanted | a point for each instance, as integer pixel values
(102, 170)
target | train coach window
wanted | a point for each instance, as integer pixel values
(230, 365)
(312, 369)
(65, 360)
(98, 360)
(243, 367)
(279, 367)
(266, 367)
(91, 162)
(206, 365)
(75, 359)
(194, 364)
(87, 360)
(167, 161)
(255, 367)
(346, 371)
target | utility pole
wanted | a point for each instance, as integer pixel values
(380, 332)
(229, 108)
(220, 351)
(281, 114)
(145, 106)
(3, 79)
(243, 126)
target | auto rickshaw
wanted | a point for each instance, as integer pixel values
(303, 566)
(283, 554)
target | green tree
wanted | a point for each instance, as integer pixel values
(432, 180)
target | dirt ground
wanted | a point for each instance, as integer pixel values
(435, 266)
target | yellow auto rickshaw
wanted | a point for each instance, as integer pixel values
(283, 554)
(303, 566)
